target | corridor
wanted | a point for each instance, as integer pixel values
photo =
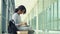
(43, 16)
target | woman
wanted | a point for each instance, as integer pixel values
(16, 16)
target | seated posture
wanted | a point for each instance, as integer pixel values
(16, 17)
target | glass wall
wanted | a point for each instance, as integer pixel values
(48, 20)
(58, 14)
(33, 23)
(8, 7)
(0, 18)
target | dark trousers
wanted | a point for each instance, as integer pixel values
(12, 29)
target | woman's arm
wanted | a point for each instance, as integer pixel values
(14, 17)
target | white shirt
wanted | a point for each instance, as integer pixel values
(16, 18)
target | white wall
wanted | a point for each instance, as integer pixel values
(29, 4)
